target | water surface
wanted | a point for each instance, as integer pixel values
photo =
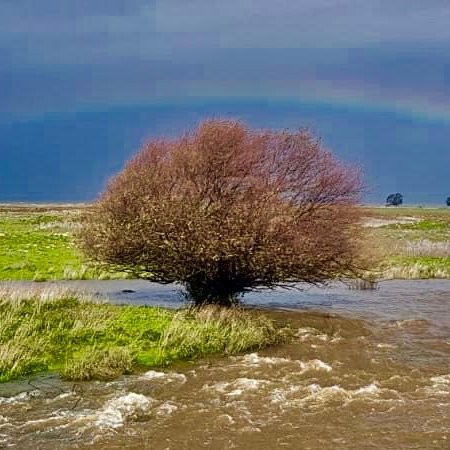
(367, 370)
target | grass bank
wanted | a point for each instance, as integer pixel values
(414, 268)
(53, 330)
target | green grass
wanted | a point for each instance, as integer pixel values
(422, 267)
(411, 211)
(431, 230)
(422, 225)
(415, 250)
(43, 330)
(38, 245)
(210, 329)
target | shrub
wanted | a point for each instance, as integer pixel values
(225, 209)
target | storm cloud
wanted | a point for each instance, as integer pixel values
(62, 55)
(83, 82)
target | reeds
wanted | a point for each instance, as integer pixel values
(415, 271)
(40, 326)
(426, 247)
(212, 329)
(363, 284)
(44, 328)
(98, 364)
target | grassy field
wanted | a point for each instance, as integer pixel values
(413, 243)
(43, 330)
(53, 330)
(36, 243)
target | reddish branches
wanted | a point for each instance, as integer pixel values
(225, 209)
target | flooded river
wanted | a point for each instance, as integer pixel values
(367, 370)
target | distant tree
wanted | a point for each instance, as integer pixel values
(225, 209)
(394, 199)
(448, 201)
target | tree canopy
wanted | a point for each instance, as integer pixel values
(394, 199)
(224, 209)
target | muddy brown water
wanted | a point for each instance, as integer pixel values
(367, 370)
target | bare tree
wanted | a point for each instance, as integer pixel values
(225, 209)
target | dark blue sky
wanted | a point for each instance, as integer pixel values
(82, 83)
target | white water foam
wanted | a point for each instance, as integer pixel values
(321, 395)
(309, 333)
(281, 395)
(237, 387)
(118, 410)
(440, 385)
(36, 424)
(316, 396)
(305, 333)
(315, 365)
(166, 409)
(441, 380)
(388, 346)
(371, 389)
(165, 377)
(226, 419)
(4, 439)
(23, 397)
(154, 375)
(254, 359)
(114, 414)
(62, 396)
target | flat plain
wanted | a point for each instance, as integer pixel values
(412, 243)
(37, 242)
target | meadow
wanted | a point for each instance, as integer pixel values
(410, 243)
(37, 243)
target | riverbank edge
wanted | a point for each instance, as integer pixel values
(81, 338)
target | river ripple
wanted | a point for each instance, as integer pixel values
(367, 370)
